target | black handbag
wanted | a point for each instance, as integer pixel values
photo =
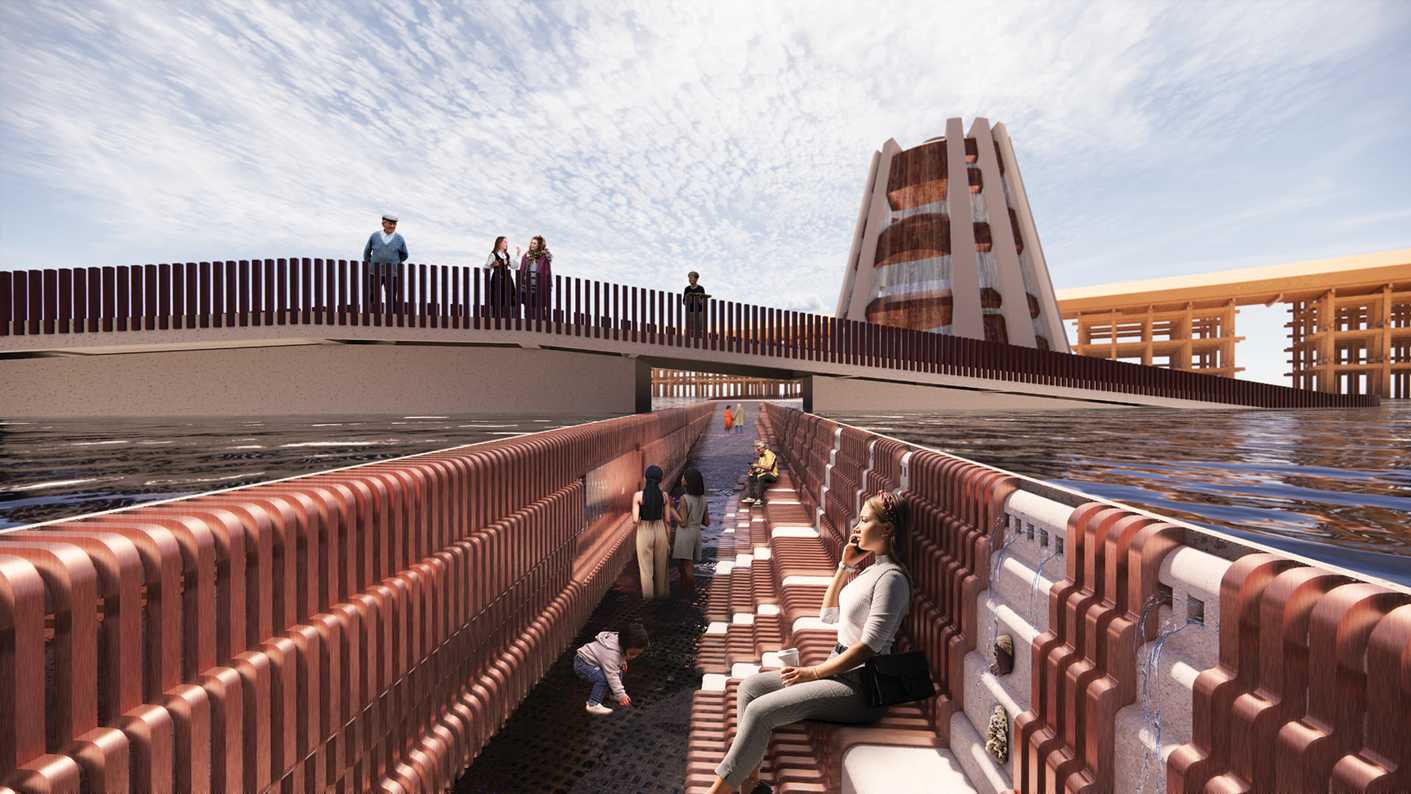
(896, 678)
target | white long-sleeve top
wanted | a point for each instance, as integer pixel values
(871, 607)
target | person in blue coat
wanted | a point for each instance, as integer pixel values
(384, 254)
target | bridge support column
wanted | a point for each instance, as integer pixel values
(642, 386)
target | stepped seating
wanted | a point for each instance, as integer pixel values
(775, 567)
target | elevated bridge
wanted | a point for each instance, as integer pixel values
(319, 336)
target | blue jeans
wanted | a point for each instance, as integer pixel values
(593, 674)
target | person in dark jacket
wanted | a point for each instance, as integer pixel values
(536, 277)
(694, 298)
(384, 254)
(501, 297)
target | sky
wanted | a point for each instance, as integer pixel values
(644, 140)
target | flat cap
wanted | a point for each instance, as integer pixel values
(387, 216)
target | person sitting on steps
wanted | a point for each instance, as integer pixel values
(761, 474)
(869, 608)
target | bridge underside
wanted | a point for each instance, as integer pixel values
(319, 379)
(314, 377)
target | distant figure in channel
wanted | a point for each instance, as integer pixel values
(739, 422)
(384, 253)
(603, 661)
(649, 511)
(501, 297)
(763, 472)
(729, 418)
(695, 513)
(536, 276)
(694, 296)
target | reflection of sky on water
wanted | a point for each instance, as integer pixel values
(52, 469)
(1333, 478)
(1340, 480)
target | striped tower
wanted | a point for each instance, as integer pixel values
(965, 262)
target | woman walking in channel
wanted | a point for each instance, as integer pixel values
(501, 296)
(868, 608)
(649, 511)
(536, 276)
(686, 548)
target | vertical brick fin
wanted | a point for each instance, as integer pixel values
(1084, 667)
(22, 614)
(1285, 609)
(1036, 730)
(1310, 673)
(1190, 766)
(1383, 762)
(1333, 722)
(1107, 680)
(335, 631)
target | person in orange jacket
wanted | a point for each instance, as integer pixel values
(729, 419)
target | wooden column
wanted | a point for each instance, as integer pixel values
(1327, 324)
(1383, 338)
(1146, 338)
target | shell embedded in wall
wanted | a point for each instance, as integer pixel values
(1004, 655)
(997, 735)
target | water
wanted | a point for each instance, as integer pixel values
(1333, 485)
(57, 468)
(1330, 484)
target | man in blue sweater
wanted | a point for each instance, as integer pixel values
(384, 253)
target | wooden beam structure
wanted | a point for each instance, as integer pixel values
(1349, 321)
(707, 385)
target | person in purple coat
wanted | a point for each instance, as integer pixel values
(536, 276)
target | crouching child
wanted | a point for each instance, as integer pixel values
(603, 661)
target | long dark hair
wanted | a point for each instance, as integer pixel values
(495, 249)
(695, 483)
(651, 492)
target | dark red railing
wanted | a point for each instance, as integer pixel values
(339, 292)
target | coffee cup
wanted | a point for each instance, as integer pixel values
(789, 657)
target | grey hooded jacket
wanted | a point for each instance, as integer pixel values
(607, 654)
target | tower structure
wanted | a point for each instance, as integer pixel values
(945, 242)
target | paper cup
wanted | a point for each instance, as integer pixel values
(789, 657)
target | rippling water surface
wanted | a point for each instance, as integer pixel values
(52, 469)
(1333, 485)
(1330, 484)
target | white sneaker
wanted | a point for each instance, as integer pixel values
(598, 709)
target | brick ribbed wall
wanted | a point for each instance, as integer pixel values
(364, 629)
(1312, 682)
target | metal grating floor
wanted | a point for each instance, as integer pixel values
(550, 745)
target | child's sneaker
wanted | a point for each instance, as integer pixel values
(598, 709)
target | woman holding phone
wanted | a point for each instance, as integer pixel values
(868, 608)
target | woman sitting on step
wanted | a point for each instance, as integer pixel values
(868, 609)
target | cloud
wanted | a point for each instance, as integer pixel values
(641, 140)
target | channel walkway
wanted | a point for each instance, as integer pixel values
(552, 745)
(374, 628)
